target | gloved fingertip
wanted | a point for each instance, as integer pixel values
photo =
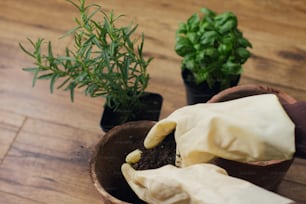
(158, 133)
(133, 178)
(133, 157)
(127, 171)
(125, 166)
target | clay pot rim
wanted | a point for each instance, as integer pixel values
(256, 87)
(107, 197)
(266, 163)
(93, 175)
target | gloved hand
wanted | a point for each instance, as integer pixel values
(254, 128)
(196, 184)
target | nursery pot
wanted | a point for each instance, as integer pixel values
(149, 109)
(201, 93)
(110, 153)
(265, 174)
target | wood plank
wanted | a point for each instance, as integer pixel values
(85, 112)
(16, 92)
(296, 93)
(294, 183)
(43, 15)
(278, 71)
(52, 161)
(297, 172)
(7, 198)
(10, 123)
(292, 190)
(58, 136)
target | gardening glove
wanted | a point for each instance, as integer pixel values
(197, 184)
(249, 129)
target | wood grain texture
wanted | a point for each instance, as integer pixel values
(45, 140)
(14, 199)
(48, 163)
(10, 124)
(294, 184)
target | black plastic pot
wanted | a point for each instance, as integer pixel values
(149, 110)
(201, 93)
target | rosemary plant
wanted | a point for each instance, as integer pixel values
(106, 60)
(212, 47)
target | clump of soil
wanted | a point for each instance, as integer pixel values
(161, 155)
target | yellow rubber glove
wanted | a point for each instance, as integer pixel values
(196, 184)
(249, 129)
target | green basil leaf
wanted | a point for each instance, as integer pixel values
(244, 42)
(231, 68)
(183, 46)
(182, 28)
(193, 37)
(226, 27)
(209, 37)
(200, 76)
(243, 53)
(211, 52)
(208, 12)
(224, 49)
(224, 17)
(193, 23)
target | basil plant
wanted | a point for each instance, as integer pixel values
(212, 47)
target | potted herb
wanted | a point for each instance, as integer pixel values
(213, 51)
(106, 60)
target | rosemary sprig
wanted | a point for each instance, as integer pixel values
(105, 60)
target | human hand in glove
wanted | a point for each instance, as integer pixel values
(254, 128)
(196, 184)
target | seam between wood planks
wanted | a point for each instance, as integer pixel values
(14, 139)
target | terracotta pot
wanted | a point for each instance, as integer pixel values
(269, 174)
(110, 153)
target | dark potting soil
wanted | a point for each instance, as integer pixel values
(158, 156)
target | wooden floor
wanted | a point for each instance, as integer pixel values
(46, 141)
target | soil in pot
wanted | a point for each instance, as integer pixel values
(201, 93)
(149, 110)
(158, 156)
(110, 154)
